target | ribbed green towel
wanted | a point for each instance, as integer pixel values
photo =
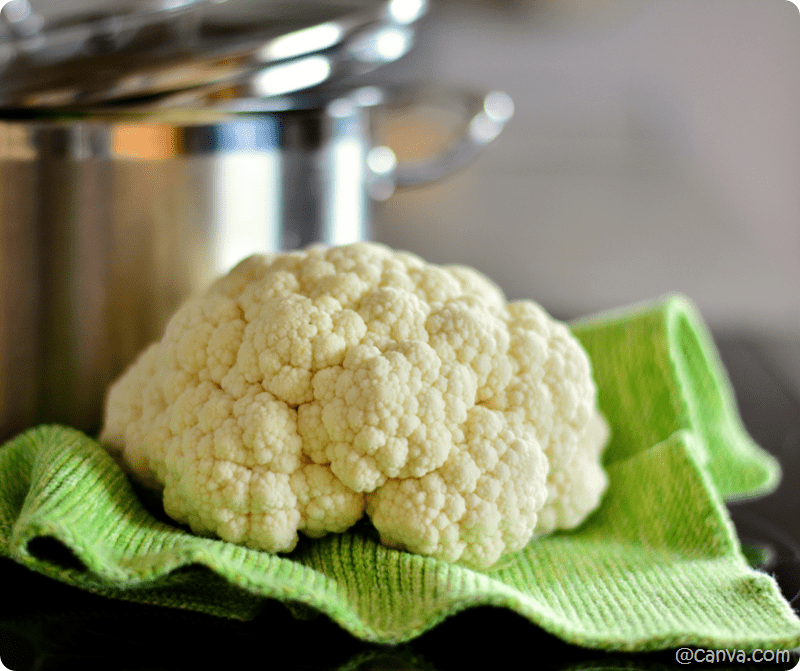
(657, 566)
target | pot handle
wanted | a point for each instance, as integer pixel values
(485, 115)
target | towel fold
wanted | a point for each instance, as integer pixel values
(658, 565)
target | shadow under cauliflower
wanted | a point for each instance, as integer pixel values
(304, 389)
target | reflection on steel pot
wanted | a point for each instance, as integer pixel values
(111, 218)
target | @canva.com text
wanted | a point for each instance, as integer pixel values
(699, 655)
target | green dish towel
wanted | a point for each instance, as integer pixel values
(658, 565)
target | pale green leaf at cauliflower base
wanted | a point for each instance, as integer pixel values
(305, 389)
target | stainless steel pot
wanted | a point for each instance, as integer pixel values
(111, 219)
(111, 216)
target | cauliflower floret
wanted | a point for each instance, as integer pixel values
(305, 388)
(575, 489)
(382, 415)
(479, 505)
(235, 469)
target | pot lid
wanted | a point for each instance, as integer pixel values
(83, 52)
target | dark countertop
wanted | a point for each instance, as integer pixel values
(47, 625)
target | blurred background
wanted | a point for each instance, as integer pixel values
(655, 147)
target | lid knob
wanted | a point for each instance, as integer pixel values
(18, 19)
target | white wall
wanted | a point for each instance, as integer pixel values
(655, 148)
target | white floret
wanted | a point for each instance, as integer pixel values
(575, 489)
(479, 505)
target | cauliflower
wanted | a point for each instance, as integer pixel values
(305, 389)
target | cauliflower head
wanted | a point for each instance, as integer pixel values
(307, 388)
